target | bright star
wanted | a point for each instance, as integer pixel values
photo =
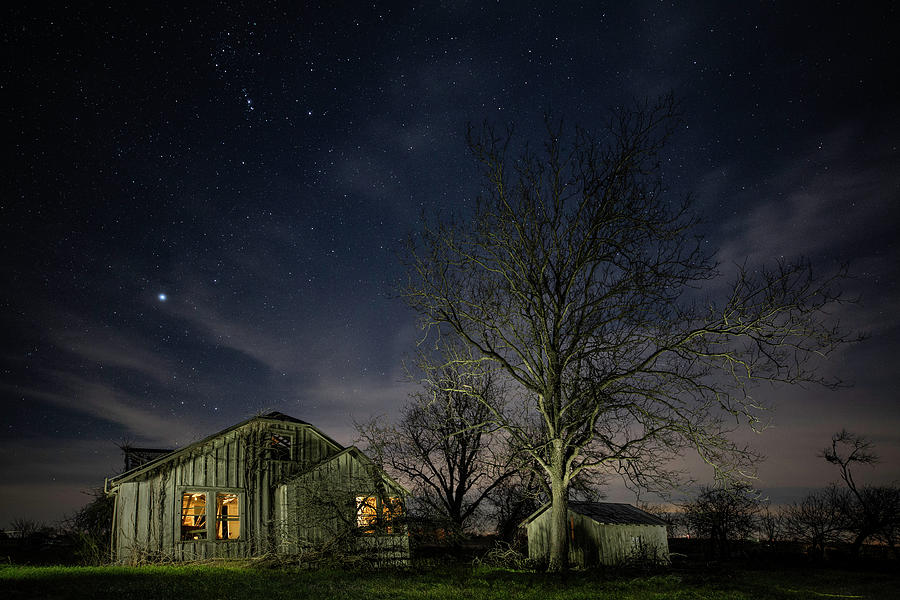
(162, 297)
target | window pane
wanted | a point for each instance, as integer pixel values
(193, 516)
(280, 446)
(228, 517)
(393, 510)
(366, 513)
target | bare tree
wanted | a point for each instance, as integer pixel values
(848, 449)
(515, 499)
(868, 511)
(770, 522)
(817, 520)
(723, 516)
(576, 279)
(889, 506)
(442, 447)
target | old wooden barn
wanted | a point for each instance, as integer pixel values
(601, 533)
(272, 483)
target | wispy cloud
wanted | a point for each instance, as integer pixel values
(103, 401)
(113, 348)
(826, 207)
(822, 204)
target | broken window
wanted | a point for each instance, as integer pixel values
(228, 517)
(193, 516)
(392, 513)
(280, 446)
(366, 513)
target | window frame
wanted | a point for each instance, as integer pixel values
(272, 448)
(197, 527)
(226, 518)
(380, 516)
(210, 516)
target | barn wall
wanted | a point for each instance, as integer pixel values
(319, 507)
(592, 543)
(148, 508)
(126, 513)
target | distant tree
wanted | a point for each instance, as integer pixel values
(817, 520)
(514, 499)
(881, 512)
(24, 528)
(889, 505)
(91, 528)
(770, 523)
(723, 516)
(673, 517)
(443, 448)
(32, 542)
(868, 511)
(575, 280)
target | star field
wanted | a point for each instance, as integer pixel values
(202, 206)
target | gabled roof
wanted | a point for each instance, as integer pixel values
(277, 416)
(271, 416)
(358, 455)
(612, 513)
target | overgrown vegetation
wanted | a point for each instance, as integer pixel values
(241, 580)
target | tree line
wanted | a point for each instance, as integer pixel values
(842, 514)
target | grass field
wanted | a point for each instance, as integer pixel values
(190, 582)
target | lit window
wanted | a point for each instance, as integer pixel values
(366, 513)
(279, 446)
(228, 517)
(193, 516)
(393, 511)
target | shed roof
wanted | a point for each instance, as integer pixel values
(614, 513)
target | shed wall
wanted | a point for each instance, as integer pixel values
(592, 543)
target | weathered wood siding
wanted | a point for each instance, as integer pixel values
(592, 543)
(319, 507)
(148, 505)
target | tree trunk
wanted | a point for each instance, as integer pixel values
(559, 510)
(857, 543)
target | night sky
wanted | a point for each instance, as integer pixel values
(202, 207)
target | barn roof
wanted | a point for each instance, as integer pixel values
(271, 416)
(614, 513)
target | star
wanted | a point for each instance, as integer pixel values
(162, 297)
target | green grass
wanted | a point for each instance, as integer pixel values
(187, 582)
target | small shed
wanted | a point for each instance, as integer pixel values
(601, 533)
